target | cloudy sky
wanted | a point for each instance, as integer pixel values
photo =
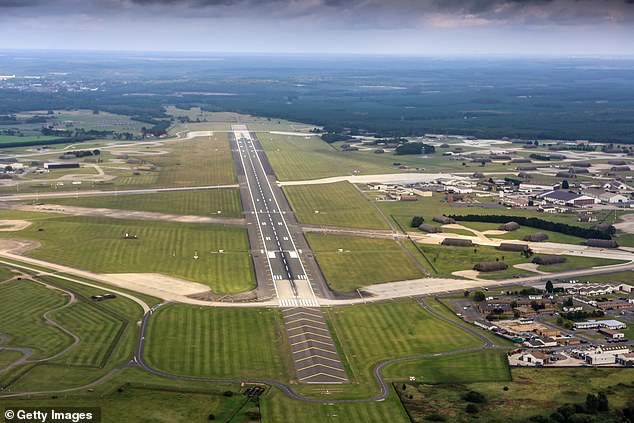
(421, 27)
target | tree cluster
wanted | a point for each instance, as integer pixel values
(414, 148)
(535, 222)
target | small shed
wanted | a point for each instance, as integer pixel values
(617, 162)
(602, 243)
(508, 246)
(443, 220)
(490, 266)
(536, 237)
(430, 229)
(580, 164)
(620, 168)
(457, 242)
(509, 226)
(549, 259)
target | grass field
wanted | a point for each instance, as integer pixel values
(277, 407)
(218, 342)
(196, 161)
(204, 203)
(531, 392)
(22, 304)
(371, 333)
(6, 139)
(97, 244)
(7, 357)
(476, 366)
(95, 327)
(364, 261)
(338, 204)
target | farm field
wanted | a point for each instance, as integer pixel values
(277, 407)
(363, 261)
(98, 244)
(218, 342)
(338, 204)
(371, 333)
(204, 203)
(476, 366)
(196, 162)
(528, 394)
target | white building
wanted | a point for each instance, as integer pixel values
(613, 198)
(598, 359)
(536, 187)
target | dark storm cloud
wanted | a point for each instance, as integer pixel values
(387, 12)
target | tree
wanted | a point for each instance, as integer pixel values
(565, 184)
(472, 409)
(592, 403)
(417, 221)
(479, 296)
(602, 402)
(568, 302)
(549, 287)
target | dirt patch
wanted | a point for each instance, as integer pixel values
(469, 274)
(626, 224)
(531, 267)
(156, 284)
(17, 246)
(13, 225)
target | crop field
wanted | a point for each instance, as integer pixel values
(98, 244)
(277, 407)
(528, 394)
(22, 305)
(371, 333)
(476, 366)
(363, 261)
(196, 162)
(218, 342)
(103, 121)
(204, 203)
(338, 204)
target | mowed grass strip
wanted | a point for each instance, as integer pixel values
(337, 204)
(363, 261)
(218, 342)
(22, 306)
(96, 329)
(203, 203)
(98, 244)
(277, 407)
(371, 333)
(475, 366)
(196, 161)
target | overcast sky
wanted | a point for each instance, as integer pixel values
(420, 27)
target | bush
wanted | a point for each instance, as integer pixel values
(435, 418)
(227, 393)
(472, 409)
(479, 296)
(473, 396)
(417, 221)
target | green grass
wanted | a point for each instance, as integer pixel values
(531, 392)
(277, 407)
(576, 262)
(476, 366)
(196, 161)
(97, 244)
(6, 139)
(7, 357)
(204, 203)
(621, 277)
(363, 262)
(218, 342)
(22, 305)
(96, 329)
(5, 274)
(338, 204)
(371, 333)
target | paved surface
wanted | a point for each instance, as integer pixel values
(284, 262)
(314, 352)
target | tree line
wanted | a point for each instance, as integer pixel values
(534, 222)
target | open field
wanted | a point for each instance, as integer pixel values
(363, 261)
(276, 407)
(8, 356)
(218, 342)
(339, 204)
(196, 161)
(98, 244)
(204, 203)
(531, 392)
(371, 333)
(477, 366)
(7, 139)
(22, 304)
